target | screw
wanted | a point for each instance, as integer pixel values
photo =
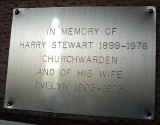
(9, 103)
(151, 11)
(148, 114)
(17, 12)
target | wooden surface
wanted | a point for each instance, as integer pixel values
(6, 8)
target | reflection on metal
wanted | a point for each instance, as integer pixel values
(4, 122)
(97, 61)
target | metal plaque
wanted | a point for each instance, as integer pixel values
(97, 61)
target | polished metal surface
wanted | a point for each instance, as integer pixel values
(4, 122)
(97, 61)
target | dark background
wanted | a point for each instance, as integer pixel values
(6, 8)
